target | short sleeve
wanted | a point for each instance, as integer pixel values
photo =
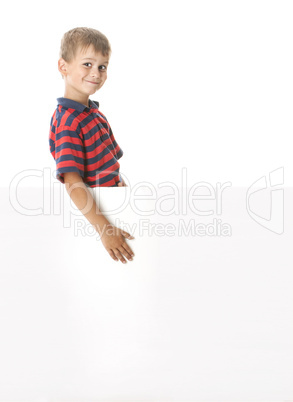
(69, 152)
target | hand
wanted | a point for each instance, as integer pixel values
(122, 183)
(113, 239)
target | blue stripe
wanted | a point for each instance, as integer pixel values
(119, 154)
(70, 169)
(65, 158)
(105, 166)
(104, 179)
(71, 118)
(66, 145)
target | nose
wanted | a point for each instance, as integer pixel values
(95, 72)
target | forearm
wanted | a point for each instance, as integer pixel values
(84, 201)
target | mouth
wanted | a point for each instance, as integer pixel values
(93, 82)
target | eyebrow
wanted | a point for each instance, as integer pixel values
(89, 58)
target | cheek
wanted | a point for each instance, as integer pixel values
(76, 75)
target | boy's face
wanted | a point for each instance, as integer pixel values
(84, 75)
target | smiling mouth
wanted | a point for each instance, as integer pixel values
(92, 82)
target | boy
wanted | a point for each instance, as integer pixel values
(81, 140)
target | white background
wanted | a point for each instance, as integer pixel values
(202, 84)
(191, 319)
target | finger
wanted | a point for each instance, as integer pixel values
(125, 253)
(128, 249)
(112, 255)
(127, 235)
(119, 255)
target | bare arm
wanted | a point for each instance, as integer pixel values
(112, 238)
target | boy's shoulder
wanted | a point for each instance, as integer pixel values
(69, 112)
(66, 103)
(72, 115)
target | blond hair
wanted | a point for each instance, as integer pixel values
(82, 38)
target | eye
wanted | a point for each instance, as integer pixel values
(103, 68)
(87, 64)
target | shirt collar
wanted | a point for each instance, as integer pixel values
(69, 103)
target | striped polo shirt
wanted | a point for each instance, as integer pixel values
(81, 140)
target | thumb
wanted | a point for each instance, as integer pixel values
(127, 235)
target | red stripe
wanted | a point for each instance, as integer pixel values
(90, 126)
(102, 174)
(64, 118)
(52, 135)
(67, 138)
(105, 159)
(103, 117)
(70, 164)
(66, 115)
(98, 150)
(117, 149)
(69, 151)
(106, 184)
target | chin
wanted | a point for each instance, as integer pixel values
(93, 91)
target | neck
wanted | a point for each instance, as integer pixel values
(77, 97)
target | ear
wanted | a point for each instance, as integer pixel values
(62, 66)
